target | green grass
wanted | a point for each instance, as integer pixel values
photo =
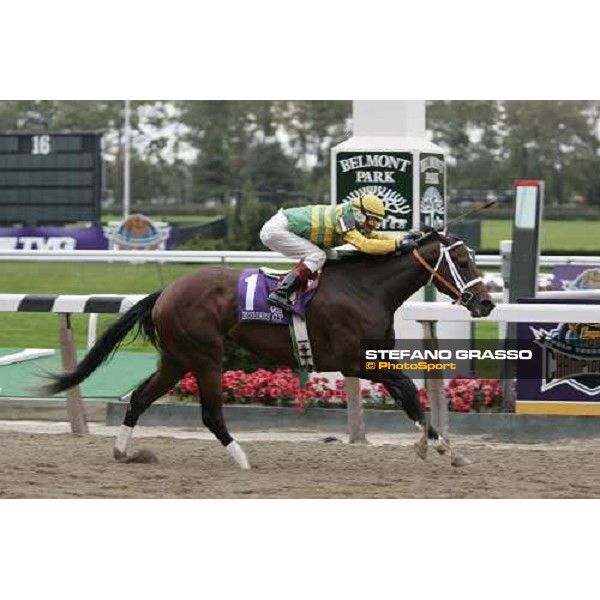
(556, 235)
(40, 330)
(168, 219)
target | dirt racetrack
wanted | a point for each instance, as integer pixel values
(287, 465)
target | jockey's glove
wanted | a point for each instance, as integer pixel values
(413, 235)
(406, 245)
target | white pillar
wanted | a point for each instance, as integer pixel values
(390, 156)
(392, 118)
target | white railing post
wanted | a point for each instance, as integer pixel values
(92, 329)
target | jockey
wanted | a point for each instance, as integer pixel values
(307, 231)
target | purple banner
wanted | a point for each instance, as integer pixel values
(566, 357)
(52, 238)
(576, 277)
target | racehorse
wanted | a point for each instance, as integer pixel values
(356, 299)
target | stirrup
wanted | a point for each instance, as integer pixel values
(281, 302)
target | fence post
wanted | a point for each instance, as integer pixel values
(92, 329)
(75, 408)
(435, 383)
(356, 415)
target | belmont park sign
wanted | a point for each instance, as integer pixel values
(364, 166)
(411, 184)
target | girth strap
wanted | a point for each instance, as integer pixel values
(301, 346)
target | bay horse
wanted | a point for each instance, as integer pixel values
(357, 297)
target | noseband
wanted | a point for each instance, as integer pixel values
(459, 289)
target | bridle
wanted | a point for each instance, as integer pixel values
(460, 287)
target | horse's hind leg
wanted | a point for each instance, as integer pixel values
(158, 384)
(209, 384)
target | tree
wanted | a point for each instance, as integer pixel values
(313, 127)
(269, 169)
(157, 171)
(550, 140)
(491, 143)
(468, 131)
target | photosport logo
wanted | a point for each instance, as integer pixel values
(570, 356)
(450, 358)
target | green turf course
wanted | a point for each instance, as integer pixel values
(40, 330)
(113, 380)
(172, 220)
(556, 235)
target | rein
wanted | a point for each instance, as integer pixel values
(458, 290)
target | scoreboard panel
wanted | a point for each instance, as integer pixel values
(50, 178)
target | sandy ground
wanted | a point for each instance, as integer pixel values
(43, 460)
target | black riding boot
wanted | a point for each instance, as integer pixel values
(281, 295)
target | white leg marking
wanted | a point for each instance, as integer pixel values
(238, 454)
(123, 439)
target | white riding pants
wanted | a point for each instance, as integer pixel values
(276, 236)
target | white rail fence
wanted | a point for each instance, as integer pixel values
(508, 313)
(223, 257)
(65, 306)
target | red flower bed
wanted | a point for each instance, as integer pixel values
(474, 395)
(282, 388)
(271, 388)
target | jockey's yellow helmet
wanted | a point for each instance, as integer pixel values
(370, 205)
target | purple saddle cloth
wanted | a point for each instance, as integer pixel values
(253, 305)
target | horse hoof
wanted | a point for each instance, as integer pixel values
(458, 460)
(142, 456)
(421, 450)
(359, 440)
(119, 456)
(235, 450)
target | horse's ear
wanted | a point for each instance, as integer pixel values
(430, 233)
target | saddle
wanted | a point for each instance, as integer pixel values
(254, 287)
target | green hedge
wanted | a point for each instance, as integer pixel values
(237, 358)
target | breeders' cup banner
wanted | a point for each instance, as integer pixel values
(137, 231)
(567, 357)
(388, 175)
(52, 238)
(576, 277)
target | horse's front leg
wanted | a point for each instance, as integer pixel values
(406, 396)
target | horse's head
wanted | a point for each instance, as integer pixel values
(453, 270)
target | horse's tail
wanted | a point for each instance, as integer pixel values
(139, 314)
